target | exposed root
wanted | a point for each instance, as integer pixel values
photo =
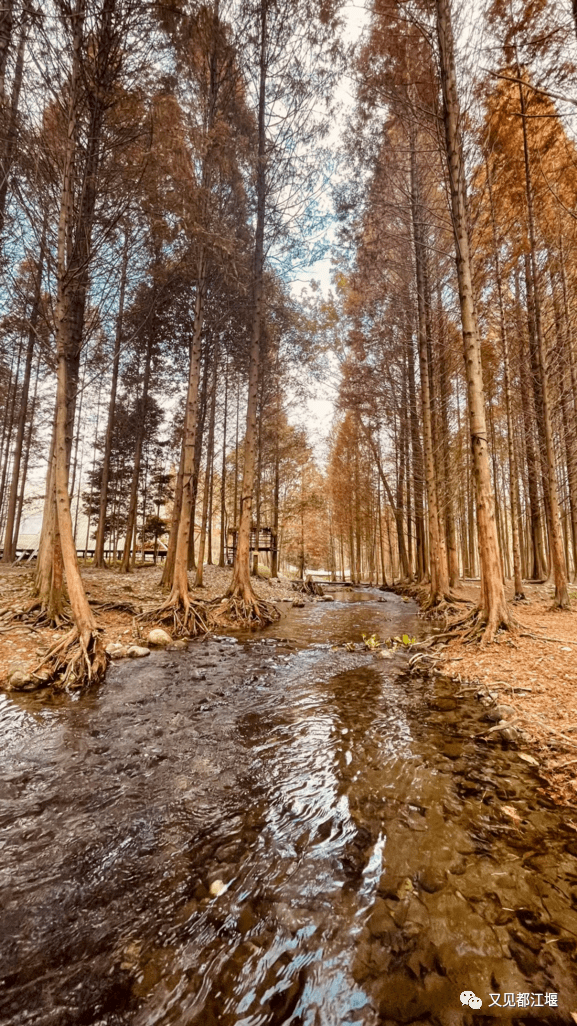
(120, 607)
(76, 661)
(308, 587)
(182, 618)
(235, 611)
(35, 614)
(438, 606)
(477, 627)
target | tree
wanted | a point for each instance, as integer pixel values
(493, 609)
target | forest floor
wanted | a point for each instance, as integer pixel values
(536, 676)
(141, 589)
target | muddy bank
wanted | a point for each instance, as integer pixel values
(22, 649)
(533, 672)
(275, 829)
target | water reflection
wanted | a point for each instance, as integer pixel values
(234, 850)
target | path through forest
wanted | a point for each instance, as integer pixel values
(271, 829)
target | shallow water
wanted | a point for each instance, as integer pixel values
(373, 857)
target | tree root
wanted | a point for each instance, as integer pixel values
(235, 611)
(476, 627)
(35, 615)
(183, 618)
(447, 606)
(120, 607)
(436, 607)
(308, 587)
(76, 661)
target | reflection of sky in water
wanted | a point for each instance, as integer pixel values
(353, 614)
(322, 731)
(307, 829)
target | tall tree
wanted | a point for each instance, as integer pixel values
(493, 610)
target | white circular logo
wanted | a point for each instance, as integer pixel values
(466, 996)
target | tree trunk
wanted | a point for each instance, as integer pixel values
(257, 496)
(513, 473)
(179, 585)
(142, 407)
(448, 483)
(9, 426)
(275, 503)
(241, 587)
(405, 570)
(11, 116)
(202, 408)
(207, 476)
(493, 609)
(103, 500)
(439, 588)
(6, 22)
(544, 409)
(221, 559)
(420, 546)
(27, 444)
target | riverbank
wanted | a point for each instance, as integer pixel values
(139, 591)
(535, 673)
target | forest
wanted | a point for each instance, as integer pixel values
(169, 171)
(288, 512)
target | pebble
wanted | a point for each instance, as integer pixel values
(507, 732)
(19, 678)
(217, 888)
(137, 652)
(116, 651)
(499, 712)
(432, 880)
(158, 637)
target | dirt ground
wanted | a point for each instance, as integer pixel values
(19, 643)
(537, 676)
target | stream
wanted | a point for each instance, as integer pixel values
(268, 829)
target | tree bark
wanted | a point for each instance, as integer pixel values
(448, 477)
(142, 408)
(222, 546)
(513, 473)
(544, 421)
(493, 608)
(241, 587)
(202, 408)
(207, 476)
(9, 146)
(179, 586)
(439, 587)
(103, 499)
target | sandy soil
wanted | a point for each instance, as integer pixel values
(19, 643)
(537, 676)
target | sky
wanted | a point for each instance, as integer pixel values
(318, 413)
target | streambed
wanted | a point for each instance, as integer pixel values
(266, 829)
